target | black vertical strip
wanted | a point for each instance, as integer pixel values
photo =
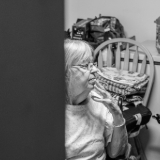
(31, 80)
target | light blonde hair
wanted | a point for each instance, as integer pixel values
(76, 52)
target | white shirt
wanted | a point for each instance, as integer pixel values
(88, 130)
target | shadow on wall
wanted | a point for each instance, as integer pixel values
(155, 149)
(145, 137)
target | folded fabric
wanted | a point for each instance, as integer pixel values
(122, 82)
(123, 77)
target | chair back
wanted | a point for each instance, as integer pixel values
(135, 57)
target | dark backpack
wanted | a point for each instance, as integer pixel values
(104, 28)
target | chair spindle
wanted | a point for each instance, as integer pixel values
(143, 66)
(126, 58)
(109, 56)
(135, 60)
(118, 56)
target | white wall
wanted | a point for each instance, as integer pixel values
(137, 16)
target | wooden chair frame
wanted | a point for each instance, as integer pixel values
(110, 54)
